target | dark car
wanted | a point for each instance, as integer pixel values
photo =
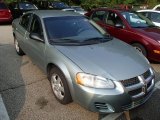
(58, 5)
(43, 4)
(132, 28)
(5, 13)
(19, 8)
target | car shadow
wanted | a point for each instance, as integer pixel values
(5, 23)
(154, 62)
(12, 86)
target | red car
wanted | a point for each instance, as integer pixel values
(5, 13)
(131, 28)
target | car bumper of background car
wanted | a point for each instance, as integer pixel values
(114, 100)
(2, 20)
(155, 55)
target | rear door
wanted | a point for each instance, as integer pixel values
(22, 29)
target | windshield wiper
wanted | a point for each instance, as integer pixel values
(65, 40)
(98, 39)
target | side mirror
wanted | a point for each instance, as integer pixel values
(117, 25)
(36, 37)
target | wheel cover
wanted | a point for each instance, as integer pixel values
(16, 45)
(57, 86)
(139, 49)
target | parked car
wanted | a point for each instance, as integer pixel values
(19, 8)
(79, 10)
(69, 9)
(82, 62)
(58, 5)
(42, 4)
(153, 15)
(157, 7)
(132, 28)
(5, 13)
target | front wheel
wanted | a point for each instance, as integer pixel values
(18, 49)
(140, 48)
(59, 86)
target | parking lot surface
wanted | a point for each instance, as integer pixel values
(27, 94)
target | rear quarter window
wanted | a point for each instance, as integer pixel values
(3, 6)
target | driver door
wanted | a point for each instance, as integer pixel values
(36, 48)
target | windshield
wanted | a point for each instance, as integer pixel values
(137, 20)
(73, 29)
(26, 6)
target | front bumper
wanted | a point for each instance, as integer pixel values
(116, 100)
(154, 53)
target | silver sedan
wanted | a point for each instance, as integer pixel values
(83, 62)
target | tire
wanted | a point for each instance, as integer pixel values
(59, 86)
(140, 48)
(17, 47)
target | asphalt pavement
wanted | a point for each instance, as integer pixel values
(27, 94)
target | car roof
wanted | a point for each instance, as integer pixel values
(53, 13)
(113, 9)
(75, 6)
(148, 10)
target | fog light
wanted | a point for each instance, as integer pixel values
(104, 107)
(156, 51)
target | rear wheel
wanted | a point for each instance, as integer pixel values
(140, 48)
(59, 86)
(17, 47)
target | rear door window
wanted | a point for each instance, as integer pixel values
(158, 8)
(113, 19)
(98, 16)
(3, 6)
(155, 17)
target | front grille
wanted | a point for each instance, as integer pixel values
(130, 82)
(146, 74)
(138, 85)
(149, 84)
(135, 92)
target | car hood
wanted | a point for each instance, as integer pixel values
(114, 59)
(153, 33)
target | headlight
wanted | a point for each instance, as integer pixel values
(93, 81)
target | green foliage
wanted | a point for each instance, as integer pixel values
(129, 1)
(89, 4)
